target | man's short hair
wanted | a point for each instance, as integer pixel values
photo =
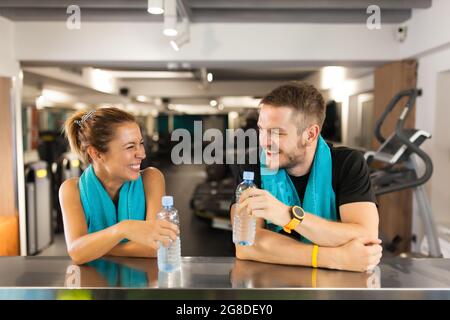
(304, 98)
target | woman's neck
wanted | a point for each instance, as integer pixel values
(112, 185)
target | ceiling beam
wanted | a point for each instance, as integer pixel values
(307, 4)
(208, 15)
(225, 4)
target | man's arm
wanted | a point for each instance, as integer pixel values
(360, 254)
(271, 247)
(359, 219)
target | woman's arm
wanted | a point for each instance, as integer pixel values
(154, 186)
(81, 246)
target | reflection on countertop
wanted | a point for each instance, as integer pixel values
(249, 274)
(141, 273)
(216, 273)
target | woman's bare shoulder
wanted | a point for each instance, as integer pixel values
(152, 174)
(69, 187)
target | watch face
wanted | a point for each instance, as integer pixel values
(298, 212)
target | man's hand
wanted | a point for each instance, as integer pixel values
(261, 204)
(360, 254)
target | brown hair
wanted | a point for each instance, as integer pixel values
(95, 127)
(302, 97)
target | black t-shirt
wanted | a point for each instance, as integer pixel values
(350, 177)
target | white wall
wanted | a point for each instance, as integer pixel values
(441, 156)
(428, 41)
(8, 64)
(428, 30)
(341, 89)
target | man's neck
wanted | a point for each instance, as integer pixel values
(304, 167)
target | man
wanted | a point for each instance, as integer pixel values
(314, 204)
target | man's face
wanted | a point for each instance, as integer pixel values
(280, 135)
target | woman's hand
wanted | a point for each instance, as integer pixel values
(149, 233)
(359, 254)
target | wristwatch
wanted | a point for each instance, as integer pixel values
(297, 214)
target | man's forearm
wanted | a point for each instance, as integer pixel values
(328, 233)
(271, 247)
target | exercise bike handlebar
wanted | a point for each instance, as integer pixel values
(412, 94)
(418, 151)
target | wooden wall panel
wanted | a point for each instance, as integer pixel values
(9, 228)
(396, 208)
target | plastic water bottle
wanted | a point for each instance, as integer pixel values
(169, 258)
(172, 279)
(244, 224)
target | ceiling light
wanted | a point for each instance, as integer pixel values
(80, 106)
(40, 102)
(56, 96)
(170, 18)
(174, 45)
(141, 98)
(213, 103)
(179, 42)
(183, 37)
(332, 76)
(155, 6)
(151, 74)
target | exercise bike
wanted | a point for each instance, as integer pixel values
(400, 168)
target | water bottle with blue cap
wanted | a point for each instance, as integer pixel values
(169, 257)
(244, 225)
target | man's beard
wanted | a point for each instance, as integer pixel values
(295, 158)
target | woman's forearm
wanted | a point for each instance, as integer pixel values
(94, 245)
(132, 249)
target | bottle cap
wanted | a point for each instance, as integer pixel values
(249, 175)
(167, 201)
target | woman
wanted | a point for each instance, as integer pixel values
(111, 209)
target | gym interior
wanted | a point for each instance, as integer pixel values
(383, 69)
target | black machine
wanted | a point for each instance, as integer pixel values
(213, 198)
(400, 168)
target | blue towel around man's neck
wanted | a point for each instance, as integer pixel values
(99, 208)
(319, 198)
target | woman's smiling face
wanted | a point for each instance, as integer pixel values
(125, 152)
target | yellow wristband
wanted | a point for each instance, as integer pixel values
(314, 278)
(314, 256)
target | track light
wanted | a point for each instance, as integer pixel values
(183, 37)
(170, 18)
(179, 42)
(155, 6)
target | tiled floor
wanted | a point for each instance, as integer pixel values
(57, 248)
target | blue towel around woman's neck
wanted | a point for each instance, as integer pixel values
(319, 198)
(99, 208)
(117, 274)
